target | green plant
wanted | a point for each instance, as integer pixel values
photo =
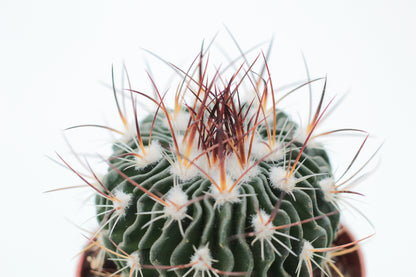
(220, 184)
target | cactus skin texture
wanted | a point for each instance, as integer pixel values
(216, 186)
(161, 242)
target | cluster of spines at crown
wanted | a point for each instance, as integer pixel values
(222, 183)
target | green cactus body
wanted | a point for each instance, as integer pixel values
(166, 217)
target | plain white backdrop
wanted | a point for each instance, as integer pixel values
(55, 67)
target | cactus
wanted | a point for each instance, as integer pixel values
(219, 184)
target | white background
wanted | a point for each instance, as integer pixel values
(55, 57)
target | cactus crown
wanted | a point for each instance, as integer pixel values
(220, 184)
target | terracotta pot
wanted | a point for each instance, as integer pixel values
(84, 265)
(351, 264)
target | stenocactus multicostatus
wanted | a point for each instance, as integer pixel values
(222, 183)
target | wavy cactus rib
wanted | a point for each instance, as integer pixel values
(216, 187)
